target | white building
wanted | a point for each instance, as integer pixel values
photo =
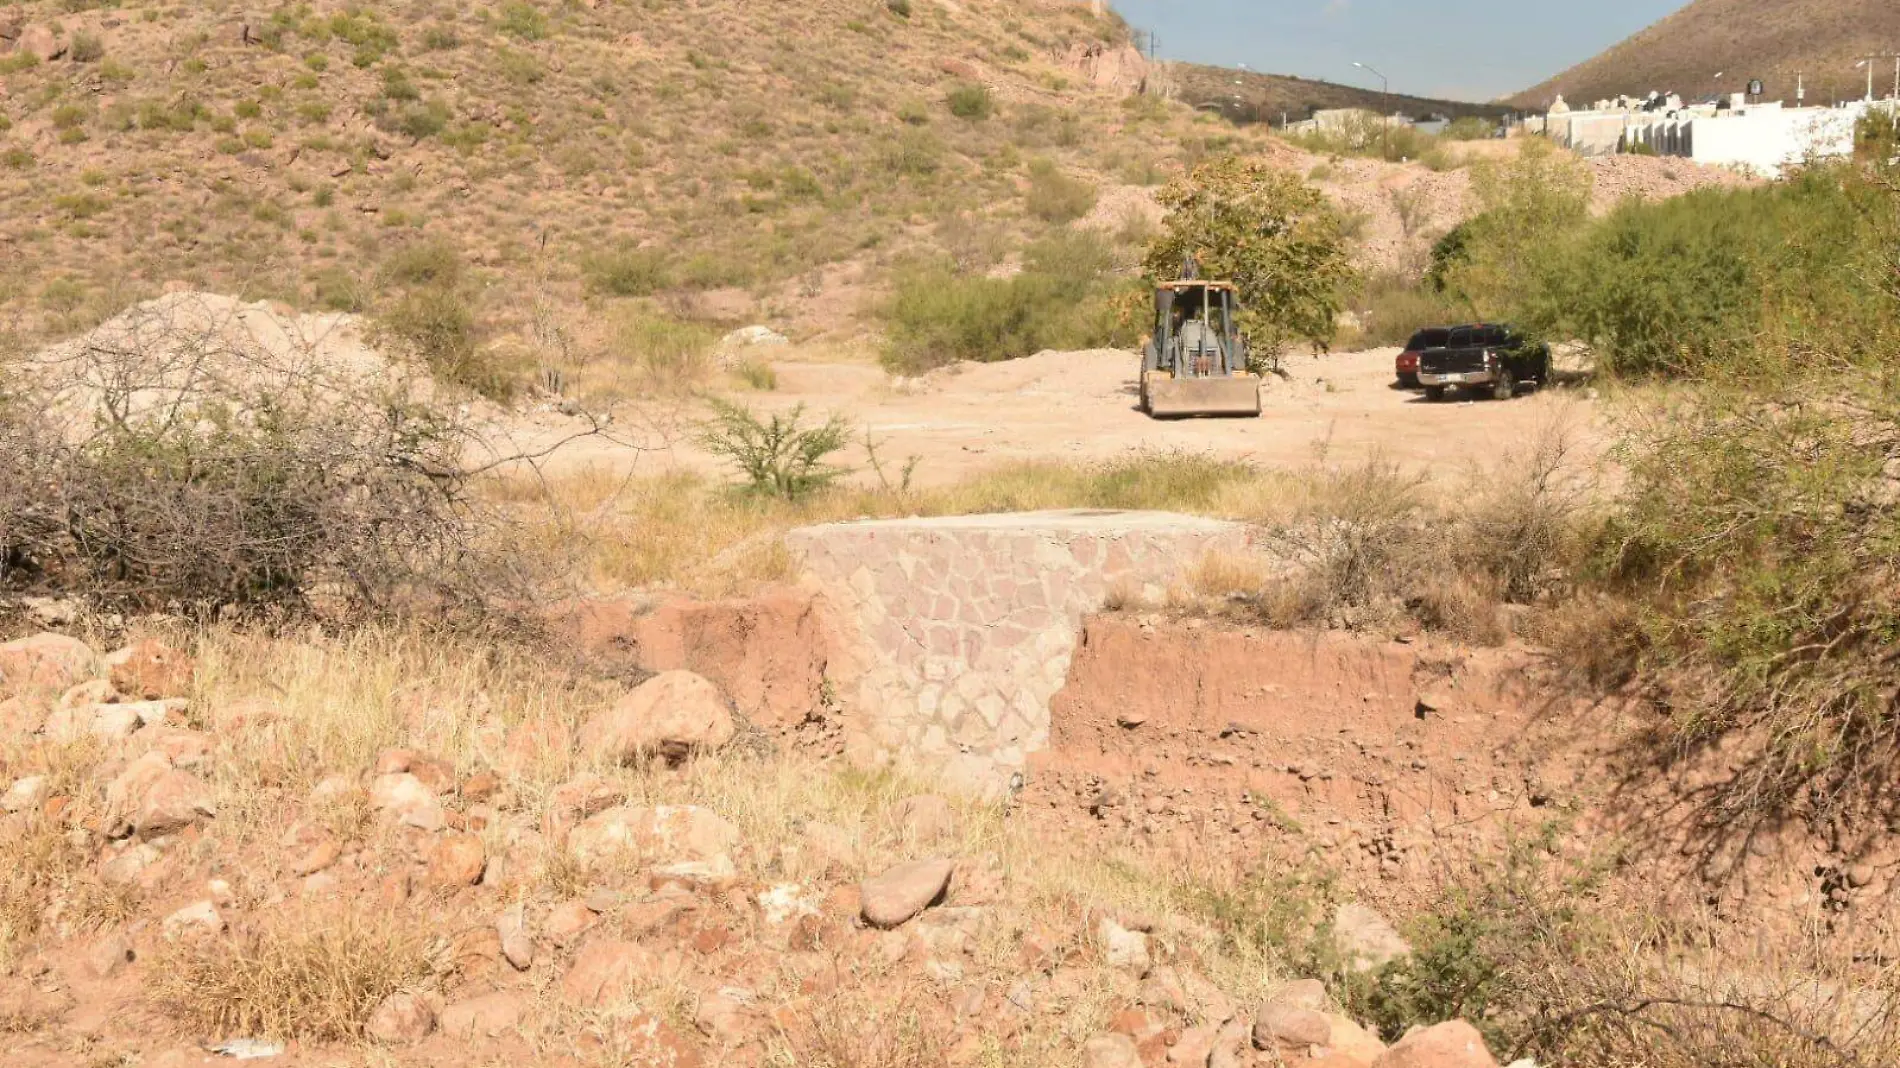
(1763, 138)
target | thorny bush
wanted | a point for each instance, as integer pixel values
(168, 467)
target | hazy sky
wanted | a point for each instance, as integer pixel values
(1461, 49)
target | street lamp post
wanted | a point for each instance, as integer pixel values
(1385, 119)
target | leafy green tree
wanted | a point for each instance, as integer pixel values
(1529, 208)
(1277, 238)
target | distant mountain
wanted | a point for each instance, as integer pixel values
(1251, 97)
(1773, 40)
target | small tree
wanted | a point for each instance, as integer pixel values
(1271, 234)
(778, 455)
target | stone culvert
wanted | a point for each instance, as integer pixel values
(958, 631)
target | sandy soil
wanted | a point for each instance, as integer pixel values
(1080, 406)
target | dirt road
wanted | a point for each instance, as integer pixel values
(1081, 406)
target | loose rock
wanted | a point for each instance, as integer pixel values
(45, 662)
(1110, 1051)
(457, 860)
(671, 716)
(150, 670)
(665, 833)
(1283, 1026)
(902, 892)
(1453, 1044)
(482, 1017)
(401, 1019)
(201, 918)
(605, 972)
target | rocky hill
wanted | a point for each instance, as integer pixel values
(1247, 96)
(1741, 40)
(566, 153)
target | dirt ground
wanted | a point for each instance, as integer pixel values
(1081, 406)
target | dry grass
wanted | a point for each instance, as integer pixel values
(314, 977)
(47, 878)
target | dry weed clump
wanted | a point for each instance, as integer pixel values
(182, 459)
(305, 976)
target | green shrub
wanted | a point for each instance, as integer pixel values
(523, 20)
(674, 356)
(1060, 300)
(1689, 285)
(914, 154)
(626, 271)
(1470, 128)
(972, 102)
(778, 455)
(1055, 197)
(424, 263)
(1500, 264)
(1392, 308)
(86, 48)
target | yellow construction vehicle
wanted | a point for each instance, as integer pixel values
(1196, 362)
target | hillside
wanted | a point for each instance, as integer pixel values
(1741, 39)
(568, 157)
(1266, 97)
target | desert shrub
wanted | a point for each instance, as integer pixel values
(437, 325)
(971, 102)
(914, 154)
(1055, 197)
(626, 270)
(1691, 285)
(175, 469)
(778, 455)
(1552, 965)
(1280, 240)
(430, 262)
(86, 48)
(1756, 538)
(308, 977)
(523, 20)
(1061, 299)
(1366, 133)
(1500, 263)
(1392, 308)
(1469, 128)
(674, 356)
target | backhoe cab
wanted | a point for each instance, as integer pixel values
(1196, 363)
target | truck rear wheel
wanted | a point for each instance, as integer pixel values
(1505, 387)
(1434, 393)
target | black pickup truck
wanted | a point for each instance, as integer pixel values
(1483, 356)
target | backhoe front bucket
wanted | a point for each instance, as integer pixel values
(1182, 398)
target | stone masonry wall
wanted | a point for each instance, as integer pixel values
(962, 628)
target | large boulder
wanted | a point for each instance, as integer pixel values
(891, 899)
(671, 716)
(663, 834)
(1453, 1044)
(50, 663)
(41, 43)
